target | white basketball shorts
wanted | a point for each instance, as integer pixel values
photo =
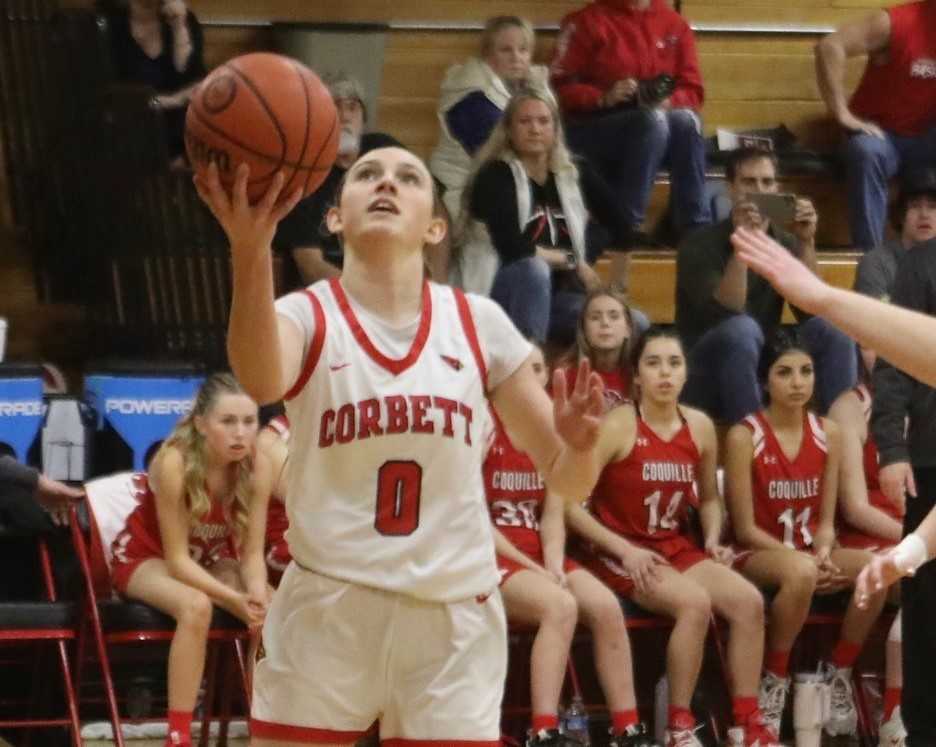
(338, 657)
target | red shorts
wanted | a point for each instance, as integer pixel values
(528, 542)
(681, 553)
(130, 551)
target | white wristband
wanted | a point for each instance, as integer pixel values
(910, 554)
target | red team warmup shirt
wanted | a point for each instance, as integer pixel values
(210, 539)
(515, 494)
(849, 536)
(645, 498)
(788, 494)
(608, 41)
(899, 93)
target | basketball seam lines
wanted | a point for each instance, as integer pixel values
(263, 102)
(308, 124)
(263, 156)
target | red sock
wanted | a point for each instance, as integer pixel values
(681, 718)
(845, 654)
(544, 721)
(620, 720)
(180, 727)
(743, 709)
(777, 662)
(891, 700)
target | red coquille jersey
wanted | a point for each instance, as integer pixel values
(515, 491)
(788, 494)
(872, 467)
(210, 539)
(645, 496)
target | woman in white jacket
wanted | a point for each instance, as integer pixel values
(474, 96)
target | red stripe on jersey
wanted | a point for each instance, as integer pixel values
(315, 348)
(646, 494)
(286, 733)
(396, 366)
(787, 494)
(471, 332)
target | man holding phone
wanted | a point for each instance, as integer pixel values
(724, 314)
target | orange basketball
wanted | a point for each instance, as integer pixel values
(269, 112)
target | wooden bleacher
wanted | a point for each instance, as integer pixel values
(652, 280)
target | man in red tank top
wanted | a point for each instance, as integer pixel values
(892, 114)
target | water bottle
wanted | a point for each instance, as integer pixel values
(575, 721)
(661, 709)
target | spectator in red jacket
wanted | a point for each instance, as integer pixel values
(628, 80)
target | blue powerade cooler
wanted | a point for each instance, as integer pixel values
(21, 407)
(142, 401)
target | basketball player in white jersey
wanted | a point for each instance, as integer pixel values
(390, 611)
(903, 337)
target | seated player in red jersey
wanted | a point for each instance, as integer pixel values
(273, 441)
(542, 587)
(660, 458)
(781, 472)
(178, 551)
(603, 337)
(868, 519)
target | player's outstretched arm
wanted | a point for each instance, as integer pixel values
(903, 337)
(559, 436)
(265, 350)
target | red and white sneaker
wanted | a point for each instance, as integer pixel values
(753, 734)
(683, 738)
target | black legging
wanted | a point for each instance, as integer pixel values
(918, 605)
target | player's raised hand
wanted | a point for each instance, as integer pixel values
(248, 227)
(577, 414)
(792, 279)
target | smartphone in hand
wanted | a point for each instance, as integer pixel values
(780, 209)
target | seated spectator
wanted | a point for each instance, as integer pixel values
(781, 483)
(159, 43)
(474, 96)
(544, 588)
(603, 336)
(627, 77)
(658, 459)
(915, 220)
(891, 118)
(724, 313)
(310, 252)
(528, 214)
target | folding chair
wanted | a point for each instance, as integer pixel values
(113, 621)
(49, 621)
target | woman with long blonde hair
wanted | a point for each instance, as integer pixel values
(178, 551)
(528, 236)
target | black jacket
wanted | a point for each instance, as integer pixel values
(898, 396)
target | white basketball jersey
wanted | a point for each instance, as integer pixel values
(385, 485)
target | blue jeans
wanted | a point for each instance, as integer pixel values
(723, 366)
(628, 148)
(870, 163)
(524, 289)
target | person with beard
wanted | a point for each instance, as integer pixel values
(309, 251)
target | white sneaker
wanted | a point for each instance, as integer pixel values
(892, 732)
(843, 716)
(683, 738)
(772, 699)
